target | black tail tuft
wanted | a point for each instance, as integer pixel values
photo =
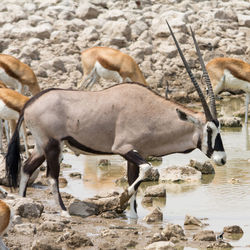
(12, 159)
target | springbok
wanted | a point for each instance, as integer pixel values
(126, 119)
(17, 75)
(5, 218)
(110, 64)
(230, 74)
(11, 104)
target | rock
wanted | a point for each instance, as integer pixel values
(78, 239)
(204, 168)
(233, 229)
(155, 216)
(109, 233)
(82, 208)
(52, 226)
(233, 232)
(172, 230)
(220, 245)
(244, 20)
(111, 202)
(87, 11)
(191, 220)
(104, 162)
(155, 191)
(206, 235)
(44, 244)
(27, 208)
(75, 175)
(179, 174)
(153, 175)
(160, 245)
(230, 122)
(25, 229)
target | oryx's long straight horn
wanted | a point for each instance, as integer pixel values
(197, 87)
(206, 76)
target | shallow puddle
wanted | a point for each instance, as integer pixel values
(221, 200)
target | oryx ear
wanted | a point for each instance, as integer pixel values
(185, 117)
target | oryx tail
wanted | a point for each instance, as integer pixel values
(12, 159)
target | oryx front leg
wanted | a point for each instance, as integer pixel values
(138, 170)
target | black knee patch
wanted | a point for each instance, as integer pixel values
(134, 157)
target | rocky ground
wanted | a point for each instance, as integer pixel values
(49, 36)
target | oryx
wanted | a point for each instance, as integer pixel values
(126, 119)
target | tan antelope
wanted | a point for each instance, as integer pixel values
(5, 218)
(229, 74)
(11, 104)
(17, 75)
(110, 64)
(127, 119)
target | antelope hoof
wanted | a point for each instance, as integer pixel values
(65, 214)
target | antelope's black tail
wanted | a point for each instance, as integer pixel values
(12, 158)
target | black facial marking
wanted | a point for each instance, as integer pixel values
(218, 143)
(210, 149)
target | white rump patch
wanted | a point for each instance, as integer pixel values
(107, 74)
(231, 82)
(10, 81)
(6, 113)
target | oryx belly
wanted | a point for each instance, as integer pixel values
(107, 74)
(233, 83)
(9, 80)
(7, 113)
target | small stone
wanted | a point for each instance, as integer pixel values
(155, 216)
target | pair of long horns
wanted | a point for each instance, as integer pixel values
(210, 115)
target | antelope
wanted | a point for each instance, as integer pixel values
(17, 75)
(128, 119)
(11, 104)
(110, 64)
(5, 218)
(229, 74)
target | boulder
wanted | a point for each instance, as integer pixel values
(155, 216)
(155, 191)
(204, 168)
(27, 208)
(206, 235)
(179, 174)
(160, 245)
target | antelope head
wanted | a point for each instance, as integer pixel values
(211, 142)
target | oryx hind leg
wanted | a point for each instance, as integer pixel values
(52, 155)
(138, 169)
(29, 167)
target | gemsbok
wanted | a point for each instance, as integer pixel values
(17, 75)
(127, 119)
(11, 104)
(110, 64)
(230, 74)
(5, 218)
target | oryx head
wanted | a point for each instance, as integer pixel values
(211, 142)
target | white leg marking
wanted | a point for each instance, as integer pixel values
(7, 130)
(132, 202)
(23, 182)
(144, 168)
(247, 103)
(65, 214)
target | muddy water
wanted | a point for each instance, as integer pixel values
(221, 200)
